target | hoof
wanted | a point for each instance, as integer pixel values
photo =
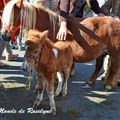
(27, 87)
(56, 94)
(89, 84)
(64, 94)
(108, 88)
(36, 104)
(53, 111)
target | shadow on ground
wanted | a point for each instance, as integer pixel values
(80, 104)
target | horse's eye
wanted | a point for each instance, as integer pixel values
(36, 51)
(27, 47)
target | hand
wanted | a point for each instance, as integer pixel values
(62, 33)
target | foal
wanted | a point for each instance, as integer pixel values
(48, 59)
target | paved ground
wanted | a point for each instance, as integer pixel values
(80, 104)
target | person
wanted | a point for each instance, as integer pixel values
(4, 44)
(66, 7)
(112, 8)
(100, 2)
(81, 5)
(20, 44)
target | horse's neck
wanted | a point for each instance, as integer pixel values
(46, 52)
(49, 22)
(45, 20)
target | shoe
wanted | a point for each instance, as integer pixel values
(3, 64)
(11, 57)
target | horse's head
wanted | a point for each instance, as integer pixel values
(34, 46)
(11, 15)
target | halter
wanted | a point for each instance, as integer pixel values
(33, 57)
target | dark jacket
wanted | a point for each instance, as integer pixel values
(80, 4)
(64, 6)
(76, 7)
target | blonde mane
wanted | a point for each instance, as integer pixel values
(28, 15)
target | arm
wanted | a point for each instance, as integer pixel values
(64, 9)
(95, 6)
(64, 13)
(106, 7)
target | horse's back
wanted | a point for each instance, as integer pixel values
(64, 48)
(100, 21)
(65, 52)
(61, 45)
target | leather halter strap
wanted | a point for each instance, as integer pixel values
(33, 57)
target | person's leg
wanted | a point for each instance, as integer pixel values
(2, 47)
(20, 44)
(9, 54)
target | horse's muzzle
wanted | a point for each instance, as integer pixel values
(27, 67)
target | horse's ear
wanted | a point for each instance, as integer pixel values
(19, 3)
(45, 34)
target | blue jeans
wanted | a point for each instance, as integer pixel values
(3, 45)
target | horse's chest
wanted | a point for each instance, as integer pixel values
(44, 67)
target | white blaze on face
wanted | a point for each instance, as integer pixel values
(55, 51)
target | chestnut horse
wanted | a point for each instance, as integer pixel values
(48, 59)
(88, 48)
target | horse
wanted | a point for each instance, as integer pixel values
(106, 28)
(48, 59)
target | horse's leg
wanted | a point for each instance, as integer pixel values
(28, 82)
(50, 92)
(41, 86)
(60, 82)
(106, 66)
(113, 73)
(99, 64)
(72, 71)
(66, 74)
(119, 79)
(24, 67)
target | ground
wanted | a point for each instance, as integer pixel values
(80, 104)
